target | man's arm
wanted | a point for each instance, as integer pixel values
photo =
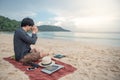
(25, 37)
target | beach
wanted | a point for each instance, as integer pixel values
(93, 61)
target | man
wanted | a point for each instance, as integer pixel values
(22, 42)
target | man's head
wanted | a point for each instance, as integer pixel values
(27, 23)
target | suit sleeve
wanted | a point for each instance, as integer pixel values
(28, 39)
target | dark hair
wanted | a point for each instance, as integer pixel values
(27, 21)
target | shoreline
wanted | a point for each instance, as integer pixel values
(93, 61)
(72, 40)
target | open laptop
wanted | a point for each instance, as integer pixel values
(51, 69)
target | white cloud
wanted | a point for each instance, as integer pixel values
(96, 15)
(58, 23)
(39, 23)
(17, 15)
(59, 18)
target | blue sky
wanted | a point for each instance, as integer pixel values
(75, 15)
(18, 9)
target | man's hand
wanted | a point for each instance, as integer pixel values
(34, 29)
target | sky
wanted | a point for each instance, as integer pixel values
(74, 15)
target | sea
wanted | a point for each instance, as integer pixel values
(103, 38)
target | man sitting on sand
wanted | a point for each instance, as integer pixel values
(22, 42)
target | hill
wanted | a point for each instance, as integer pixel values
(51, 28)
(7, 24)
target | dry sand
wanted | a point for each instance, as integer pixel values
(93, 62)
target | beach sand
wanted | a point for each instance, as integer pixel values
(93, 61)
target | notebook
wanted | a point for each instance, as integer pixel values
(51, 69)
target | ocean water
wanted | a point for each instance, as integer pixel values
(85, 37)
(112, 39)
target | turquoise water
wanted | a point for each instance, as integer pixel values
(99, 38)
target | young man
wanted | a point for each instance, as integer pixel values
(22, 42)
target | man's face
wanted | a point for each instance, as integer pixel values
(29, 28)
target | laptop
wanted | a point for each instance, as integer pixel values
(51, 69)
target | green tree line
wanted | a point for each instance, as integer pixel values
(7, 24)
(51, 28)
